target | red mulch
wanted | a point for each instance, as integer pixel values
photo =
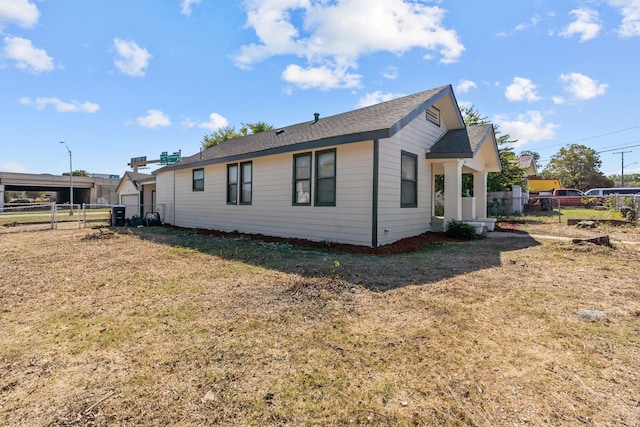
(410, 244)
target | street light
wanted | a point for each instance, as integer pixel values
(70, 179)
(623, 168)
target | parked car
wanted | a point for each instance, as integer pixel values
(564, 197)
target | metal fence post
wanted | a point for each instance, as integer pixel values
(54, 219)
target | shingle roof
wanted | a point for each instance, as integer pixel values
(374, 122)
(460, 143)
(525, 161)
(136, 177)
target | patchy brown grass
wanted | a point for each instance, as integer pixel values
(162, 327)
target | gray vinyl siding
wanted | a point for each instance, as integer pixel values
(271, 211)
(395, 222)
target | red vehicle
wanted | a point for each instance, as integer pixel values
(564, 197)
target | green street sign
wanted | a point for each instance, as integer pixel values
(166, 158)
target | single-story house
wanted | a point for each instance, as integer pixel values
(137, 191)
(364, 177)
(528, 163)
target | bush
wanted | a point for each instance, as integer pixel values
(460, 230)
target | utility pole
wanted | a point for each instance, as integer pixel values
(70, 179)
(622, 165)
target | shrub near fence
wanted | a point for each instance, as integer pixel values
(499, 203)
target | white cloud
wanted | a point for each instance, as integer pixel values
(186, 5)
(331, 36)
(216, 121)
(188, 123)
(22, 12)
(630, 10)
(465, 104)
(154, 119)
(28, 58)
(132, 59)
(12, 167)
(582, 87)
(377, 97)
(526, 128)
(390, 73)
(61, 106)
(465, 86)
(558, 100)
(587, 24)
(521, 90)
(523, 26)
(535, 20)
(320, 77)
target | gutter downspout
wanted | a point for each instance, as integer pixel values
(374, 204)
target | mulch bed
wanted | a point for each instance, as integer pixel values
(410, 244)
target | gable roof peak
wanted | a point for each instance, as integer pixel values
(375, 121)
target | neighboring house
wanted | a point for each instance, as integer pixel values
(365, 177)
(528, 163)
(137, 191)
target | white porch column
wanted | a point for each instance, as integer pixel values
(480, 193)
(452, 191)
(1, 197)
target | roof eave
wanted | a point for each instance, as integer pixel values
(400, 124)
(442, 155)
(483, 139)
(301, 146)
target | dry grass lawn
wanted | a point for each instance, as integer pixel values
(160, 327)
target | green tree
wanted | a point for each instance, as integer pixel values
(577, 166)
(230, 132)
(219, 135)
(512, 173)
(80, 172)
(256, 127)
(630, 179)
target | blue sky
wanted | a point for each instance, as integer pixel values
(119, 79)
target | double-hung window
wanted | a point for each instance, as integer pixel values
(198, 180)
(232, 184)
(326, 178)
(239, 183)
(246, 181)
(409, 180)
(314, 180)
(302, 179)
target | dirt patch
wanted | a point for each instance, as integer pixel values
(510, 226)
(410, 244)
(103, 233)
(156, 327)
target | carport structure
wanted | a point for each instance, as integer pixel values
(86, 189)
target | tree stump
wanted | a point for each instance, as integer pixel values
(586, 224)
(601, 240)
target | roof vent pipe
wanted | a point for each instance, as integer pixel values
(316, 117)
